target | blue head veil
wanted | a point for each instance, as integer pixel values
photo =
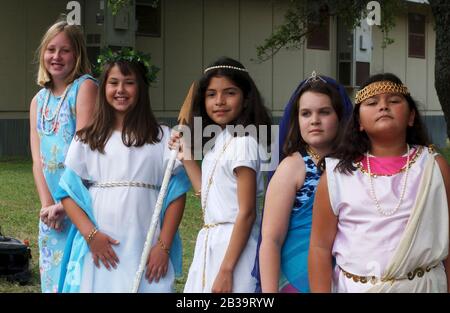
(285, 120)
(283, 131)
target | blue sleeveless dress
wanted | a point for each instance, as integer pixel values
(55, 137)
(294, 253)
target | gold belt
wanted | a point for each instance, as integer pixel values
(124, 184)
(419, 272)
(207, 227)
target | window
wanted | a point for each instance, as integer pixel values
(362, 72)
(148, 18)
(344, 54)
(319, 37)
(416, 35)
(92, 53)
(345, 73)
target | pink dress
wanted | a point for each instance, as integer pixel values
(365, 239)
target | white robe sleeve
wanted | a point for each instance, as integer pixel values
(333, 186)
(245, 153)
(76, 158)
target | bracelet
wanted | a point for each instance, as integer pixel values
(163, 246)
(92, 234)
(198, 194)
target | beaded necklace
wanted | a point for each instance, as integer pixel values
(203, 204)
(210, 179)
(380, 210)
(412, 159)
(54, 118)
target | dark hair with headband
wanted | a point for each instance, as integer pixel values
(290, 137)
(253, 113)
(357, 143)
(294, 141)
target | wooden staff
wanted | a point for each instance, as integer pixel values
(183, 119)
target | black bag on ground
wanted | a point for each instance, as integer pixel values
(14, 260)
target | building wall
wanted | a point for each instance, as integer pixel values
(416, 73)
(22, 25)
(226, 28)
(194, 34)
(235, 27)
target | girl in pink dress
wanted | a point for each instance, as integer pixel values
(381, 208)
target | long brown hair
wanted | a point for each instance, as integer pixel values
(139, 126)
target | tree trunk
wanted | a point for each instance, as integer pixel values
(441, 13)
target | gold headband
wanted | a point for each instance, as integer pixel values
(379, 87)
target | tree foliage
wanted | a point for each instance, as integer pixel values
(441, 13)
(294, 30)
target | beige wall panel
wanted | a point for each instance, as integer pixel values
(396, 53)
(287, 67)
(256, 25)
(377, 64)
(155, 46)
(416, 69)
(22, 24)
(13, 55)
(332, 71)
(40, 15)
(319, 61)
(322, 61)
(221, 30)
(182, 49)
(432, 102)
(416, 79)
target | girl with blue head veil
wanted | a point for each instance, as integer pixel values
(310, 129)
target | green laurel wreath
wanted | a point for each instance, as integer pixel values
(109, 56)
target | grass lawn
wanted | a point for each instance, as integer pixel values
(19, 208)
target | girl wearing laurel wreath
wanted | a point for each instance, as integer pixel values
(230, 179)
(313, 122)
(62, 106)
(114, 170)
(381, 208)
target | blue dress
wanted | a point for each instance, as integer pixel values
(55, 137)
(294, 253)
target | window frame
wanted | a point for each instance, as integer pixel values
(319, 31)
(413, 36)
(146, 4)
